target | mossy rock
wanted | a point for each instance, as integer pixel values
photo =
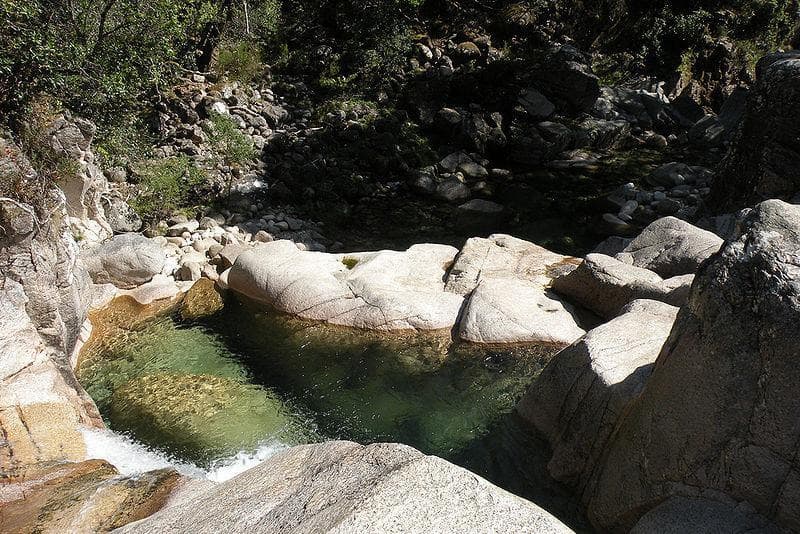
(199, 417)
(202, 300)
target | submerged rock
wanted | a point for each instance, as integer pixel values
(202, 299)
(720, 411)
(204, 416)
(341, 486)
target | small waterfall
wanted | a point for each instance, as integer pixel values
(131, 457)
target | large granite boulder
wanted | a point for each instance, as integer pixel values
(576, 400)
(605, 285)
(720, 412)
(671, 247)
(126, 260)
(764, 156)
(506, 281)
(504, 256)
(510, 310)
(383, 290)
(345, 487)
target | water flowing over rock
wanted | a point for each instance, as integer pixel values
(346, 487)
(576, 401)
(720, 412)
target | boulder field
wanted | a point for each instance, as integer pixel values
(672, 408)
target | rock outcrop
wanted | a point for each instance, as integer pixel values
(84, 184)
(762, 162)
(87, 496)
(44, 295)
(576, 401)
(719, 414)
(605, 285)
(384, 290)
(671, 247)
(346, 487)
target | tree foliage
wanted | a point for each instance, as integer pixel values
(98, 56)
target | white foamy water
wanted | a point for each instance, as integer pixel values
(131, 457)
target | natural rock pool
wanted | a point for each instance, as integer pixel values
(243, 381)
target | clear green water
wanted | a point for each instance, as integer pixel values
(207, 389)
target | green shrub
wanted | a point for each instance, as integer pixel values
(121, 144)
(166, 185)
(229, 142)
(240, 61)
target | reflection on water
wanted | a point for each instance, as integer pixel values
(207, 390)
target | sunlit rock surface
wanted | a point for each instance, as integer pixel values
(345, 487)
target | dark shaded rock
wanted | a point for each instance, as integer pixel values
(720, 411)
(765, 154)
(702, 516)
(568, 81)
